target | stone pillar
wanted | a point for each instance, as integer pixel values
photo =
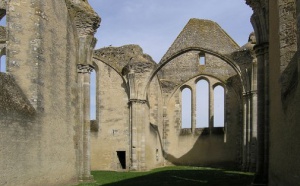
(194, 109)
(249, 130)
(86, 21)
(138, 120)
(211, 108)
(166, 126)
(262, 165)
(86, 47)
(253, 129)
(132, 123)
(245, 132)
(249, 126)
(253, 140)
(138, 109)
(84, 100)
(260, 22)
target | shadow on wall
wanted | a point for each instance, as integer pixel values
(208, 150)
(13, 101)
(289, 81)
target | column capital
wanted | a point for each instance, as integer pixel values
(249, 93)
(84, 68)
(261, 49)
(141, 101)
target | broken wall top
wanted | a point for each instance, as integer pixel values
(199, 33)
(120, 57)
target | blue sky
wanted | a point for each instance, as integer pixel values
(3, 58)
(155, 24)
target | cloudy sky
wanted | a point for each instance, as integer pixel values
(155, 24)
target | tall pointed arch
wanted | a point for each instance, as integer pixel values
(186, 108)
(219, 106)
(202, 104)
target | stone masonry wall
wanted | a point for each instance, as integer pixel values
(284, 95)
(154, 150)
(203, 146)
(199, 147)
(125, 109)
(40, 149)
(114, 132)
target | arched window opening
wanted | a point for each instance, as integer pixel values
(186, 108)
(201, 59)
(219, 106)
(3, 63)
(93, 103)
(202, 104)
(3, 57)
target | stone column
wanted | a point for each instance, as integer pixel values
(260, 22)
(138, 120)
(253, 140)
(262, 167)
(194, 109)
(133, 127)
(84, 99)
(138, 108)
(253, 129)
(211, 108)
(245, 132)
(86, 21)
(249, 127)
(86, 47)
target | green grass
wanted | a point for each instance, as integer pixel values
(173, 176)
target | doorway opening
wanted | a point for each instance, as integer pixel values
(122, 159)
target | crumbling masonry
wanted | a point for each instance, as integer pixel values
(47, 137)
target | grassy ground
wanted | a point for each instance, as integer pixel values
(173, 176)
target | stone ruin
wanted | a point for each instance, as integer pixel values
(48, 138)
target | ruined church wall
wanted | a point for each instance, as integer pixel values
(197, 146)
(189, 66)
(114, 132)
(284, 149)
(38, 148)
(155, 130)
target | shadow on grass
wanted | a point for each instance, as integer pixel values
(177, 177)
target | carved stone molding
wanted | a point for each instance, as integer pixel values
(256, 4)
(137, 101)
(261, 49)
(138, 67)
(259, 19)
(84, 68)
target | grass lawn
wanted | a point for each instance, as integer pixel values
(173, 176)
